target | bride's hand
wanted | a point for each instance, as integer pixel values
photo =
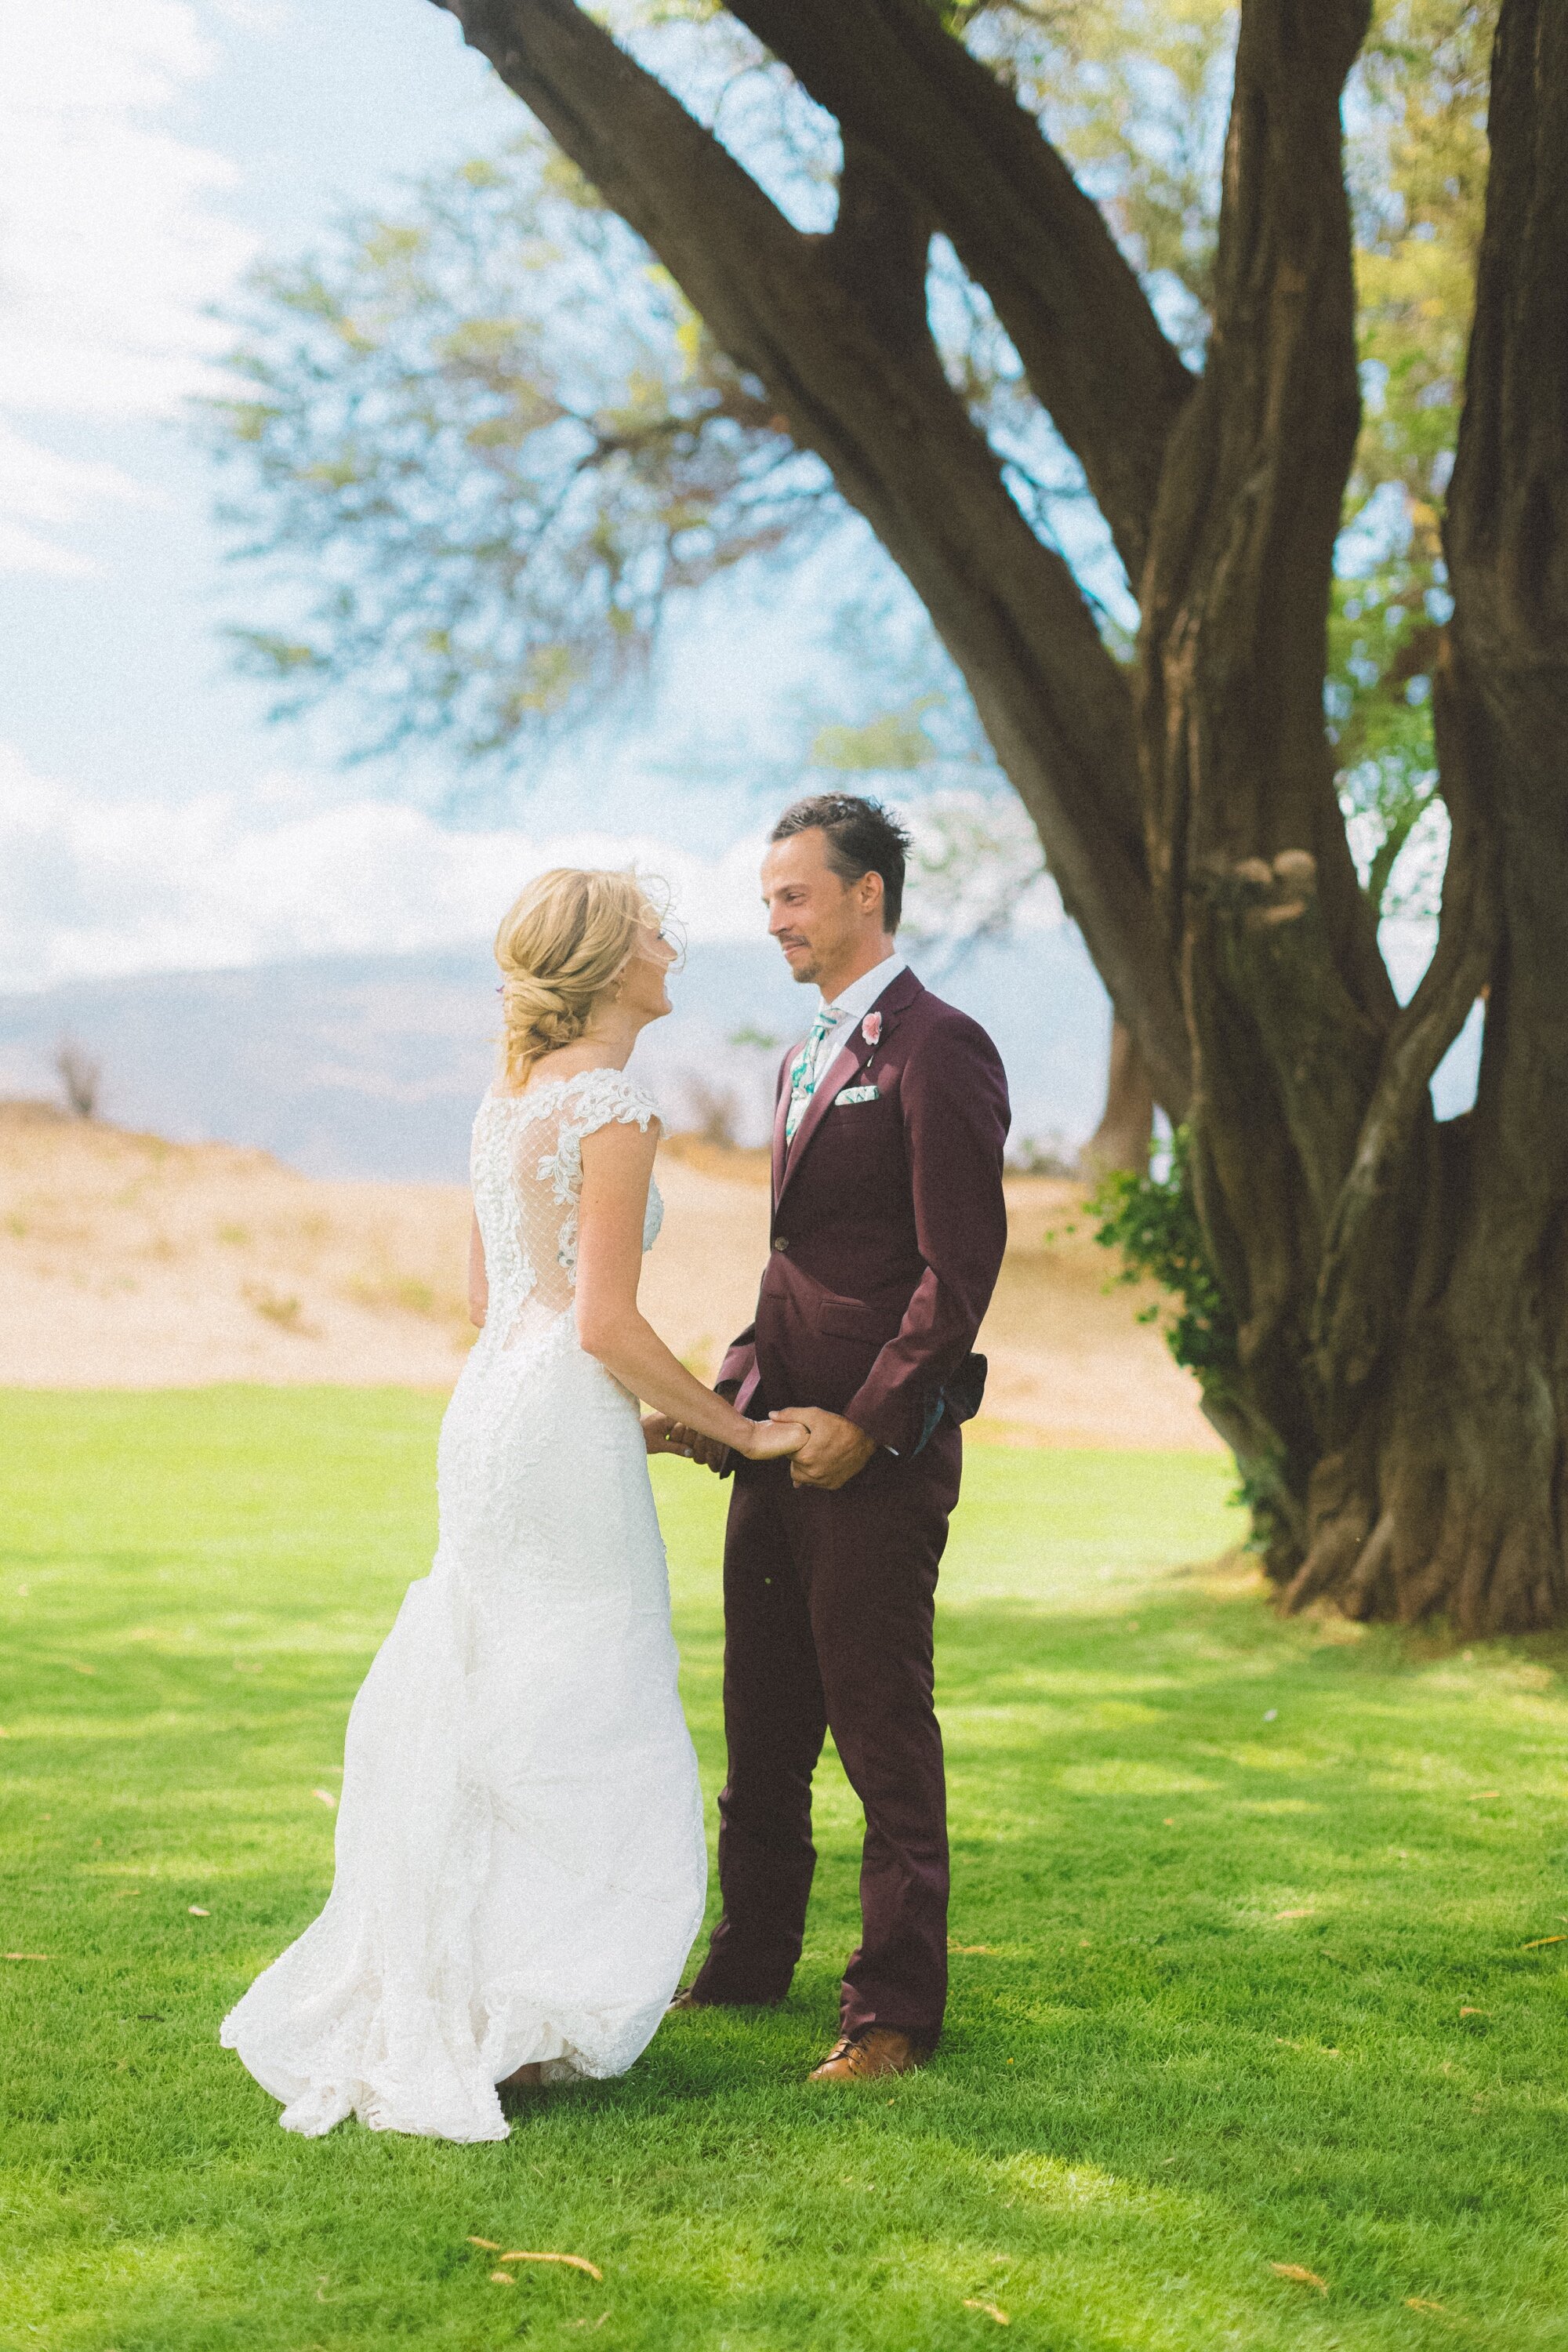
(773, 1441)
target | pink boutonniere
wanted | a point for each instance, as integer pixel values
(872, 1028)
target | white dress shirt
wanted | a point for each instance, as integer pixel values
(852, 1005)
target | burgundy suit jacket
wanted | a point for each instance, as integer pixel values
(888, 1226)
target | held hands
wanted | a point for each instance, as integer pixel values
(766, 1440)
(824, 1449)
(678, 1438)
(834, 1450)
(776, 1439)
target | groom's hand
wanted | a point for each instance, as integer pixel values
(712, 1452)
(834, 1451)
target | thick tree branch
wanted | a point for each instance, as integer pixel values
(1506, 533)
(1235, 599)
(1286, 996)
(849, 362)
(1363, 1284)
(966, 149)
(1506, 536)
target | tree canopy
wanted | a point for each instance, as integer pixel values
(496, 440)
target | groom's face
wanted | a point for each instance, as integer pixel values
(819, 920)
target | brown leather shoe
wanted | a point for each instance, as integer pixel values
(875, 2050)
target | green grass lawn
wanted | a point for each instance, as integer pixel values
(1242, 1912)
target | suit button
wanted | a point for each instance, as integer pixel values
(780, 1243)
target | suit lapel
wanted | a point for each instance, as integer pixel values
(852, 1056)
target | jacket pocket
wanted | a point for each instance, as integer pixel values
(849, 1319)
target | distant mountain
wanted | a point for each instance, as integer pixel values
(347, 1067)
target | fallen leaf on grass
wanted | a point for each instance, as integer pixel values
(1302, 2277)
(1467, 2011)
(198, 1911)
(1535, 1946)
(25, 1955)
(502, 2278)
(972, 2303)
(1479, 1796)
(79, 1670)
(326, 1797)
(491, 2245)
(1423, 2303)
(578, 2262)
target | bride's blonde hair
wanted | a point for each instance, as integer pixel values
(562, 946)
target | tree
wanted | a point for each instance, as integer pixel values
(1398, 1388)
(501, 443)
(1385, 1294)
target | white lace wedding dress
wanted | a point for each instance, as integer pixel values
(520, 1865)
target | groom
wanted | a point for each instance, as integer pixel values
(888, 1231)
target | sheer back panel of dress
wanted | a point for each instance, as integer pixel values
(526, 1172)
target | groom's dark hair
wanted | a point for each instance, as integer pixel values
(861, 838)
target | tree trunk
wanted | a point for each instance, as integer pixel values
(1126, 1128)
(1398, 1398)
(1451, 1493)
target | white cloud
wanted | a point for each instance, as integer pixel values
(109, 248)
(37, 486)
(112, 887)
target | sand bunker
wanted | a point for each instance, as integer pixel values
(129, 1262)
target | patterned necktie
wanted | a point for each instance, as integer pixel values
(803, 1073)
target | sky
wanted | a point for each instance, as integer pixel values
(150, 818)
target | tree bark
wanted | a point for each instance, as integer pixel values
(1285, 996)
(1402, 1393)
(1126, 1128)
(1449, 1492)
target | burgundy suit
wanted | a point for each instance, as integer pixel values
(888, 1226)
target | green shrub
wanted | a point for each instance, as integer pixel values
(1153, 1222)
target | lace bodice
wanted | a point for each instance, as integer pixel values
(526, 1167)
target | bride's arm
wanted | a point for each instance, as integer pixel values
(617, 1162)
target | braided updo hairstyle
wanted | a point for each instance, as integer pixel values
(561, 947)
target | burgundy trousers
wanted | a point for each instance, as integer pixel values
(828, 1605)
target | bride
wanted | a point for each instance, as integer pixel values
(520, 1865)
